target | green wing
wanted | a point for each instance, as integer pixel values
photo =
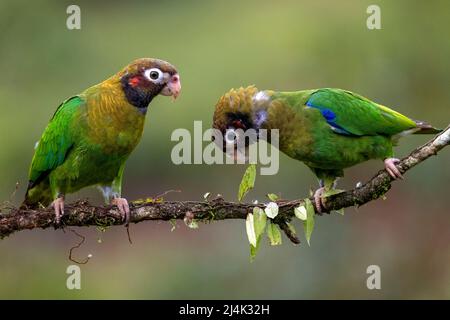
(56, 141)
(351, 114)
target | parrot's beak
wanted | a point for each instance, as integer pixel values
(173, 87)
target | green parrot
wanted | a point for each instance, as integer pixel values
(327, 129)
(91, 135)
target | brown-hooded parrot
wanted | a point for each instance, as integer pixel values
(328, 129)
(91, 135)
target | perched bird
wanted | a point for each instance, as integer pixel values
(328, 129)
(91, 135)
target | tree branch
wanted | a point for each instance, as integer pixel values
(82, 213)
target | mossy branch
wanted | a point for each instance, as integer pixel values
(82, 213)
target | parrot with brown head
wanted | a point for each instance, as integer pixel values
(328, 129)
(91, 135)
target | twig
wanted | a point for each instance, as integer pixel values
(83, 238)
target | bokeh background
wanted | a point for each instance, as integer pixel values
(216, 45)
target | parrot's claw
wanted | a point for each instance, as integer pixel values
(318, 199)
(58, 205)
(124, 208)
(391, 168)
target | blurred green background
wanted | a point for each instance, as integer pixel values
(216, 45)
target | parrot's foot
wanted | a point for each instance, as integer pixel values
(318, 199)
(58, 205)
(392, 169)
(124, 208)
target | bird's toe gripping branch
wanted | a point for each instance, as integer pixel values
(318, 199)
(58, 206)
(391, 168)
(124, 208)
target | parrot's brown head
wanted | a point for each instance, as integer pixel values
(145, 78)
(239, 115)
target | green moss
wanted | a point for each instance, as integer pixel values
(104, 222)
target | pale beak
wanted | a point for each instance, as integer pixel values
(173, 87)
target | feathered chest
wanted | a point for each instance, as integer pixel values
(113, 124)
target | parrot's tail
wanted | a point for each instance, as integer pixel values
(425, 128)
(421, 128)
(37, 196)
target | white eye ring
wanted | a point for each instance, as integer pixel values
(230, 136)
(154, 75)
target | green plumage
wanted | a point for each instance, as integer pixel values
(358, 115)
(68, 157)
(51, 151)
(91, 135)
(328, 129)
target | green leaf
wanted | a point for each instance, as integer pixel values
(272, 197)
(308, 225)
(340, 211)
(250, 228)
(274, 234)
(259, 221)
(247, 182)
(254, 250)
(300, 212)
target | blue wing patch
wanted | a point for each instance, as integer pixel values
(330, 117)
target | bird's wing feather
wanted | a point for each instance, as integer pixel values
(351, 114)
(56, 141)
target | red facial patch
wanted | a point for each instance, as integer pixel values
(238, 124)
(134, 82)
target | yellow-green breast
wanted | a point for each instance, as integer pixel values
(112, 123)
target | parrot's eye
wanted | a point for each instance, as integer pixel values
(154, 75)
(230, 136)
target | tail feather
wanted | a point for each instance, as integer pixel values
(37, 196)
(425, 128)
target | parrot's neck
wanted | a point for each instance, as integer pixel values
(279, 113)
(260, 105)
(135, 96)
(282, 108)
(113, 123)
